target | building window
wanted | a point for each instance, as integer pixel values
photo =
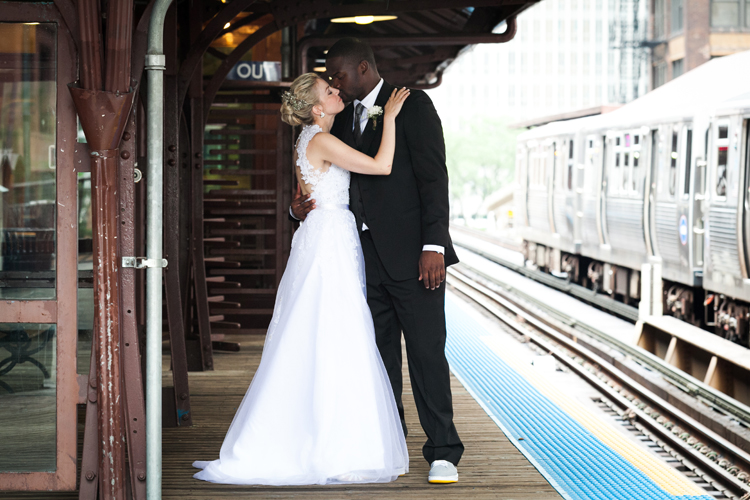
(598, 63)
(561, 63)
(586, 31)
(678, 68)
(725, 13)
(549, 30)
(598, 31)
(512, 63)
(678, 15)
(574, 30)
(660, 75)
(512, 95)
(574, 64)
(561, 31)
(659, 19)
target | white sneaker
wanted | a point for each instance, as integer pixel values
(442, 471)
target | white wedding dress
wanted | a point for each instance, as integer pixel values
(320, 409)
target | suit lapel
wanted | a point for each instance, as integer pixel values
(373, 131)
(342, 126)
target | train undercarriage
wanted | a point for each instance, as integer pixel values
(724, 316)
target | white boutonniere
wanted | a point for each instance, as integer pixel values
(373, 113)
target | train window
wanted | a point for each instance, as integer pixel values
(570, 166)
(721, 172)
(673, 165)
(688, 160)
(626, 164)
(721, 160)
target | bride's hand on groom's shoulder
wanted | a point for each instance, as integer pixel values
(395, 102)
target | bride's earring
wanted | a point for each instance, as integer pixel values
(322, 115)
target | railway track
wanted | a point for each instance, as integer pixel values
(706, 453)
(678, 378)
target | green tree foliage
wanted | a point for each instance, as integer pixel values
(480, 155)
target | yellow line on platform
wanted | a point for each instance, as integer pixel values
(667, 478)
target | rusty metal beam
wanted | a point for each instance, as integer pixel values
(194, 59)
(119, 44)
(90, 47)
(291, 12)
(416, 40)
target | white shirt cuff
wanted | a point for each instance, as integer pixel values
(292, 214)
(434, 248)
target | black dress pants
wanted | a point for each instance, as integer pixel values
(420, 313)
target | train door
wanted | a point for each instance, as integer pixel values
(522, 187)
(591, 193)
(725, 264)
(650, 210)
(682, 198)
(667, 192)
(538, 190)
(564, 201)
(38, 250)
(548, 158)
(745, 155)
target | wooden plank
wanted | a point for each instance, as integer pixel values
(490, 468)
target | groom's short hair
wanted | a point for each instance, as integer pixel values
(352, 50)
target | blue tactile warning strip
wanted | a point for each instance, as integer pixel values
(582, 456)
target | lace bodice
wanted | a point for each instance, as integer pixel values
(330, 186)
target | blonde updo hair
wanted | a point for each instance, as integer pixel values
(298, 101)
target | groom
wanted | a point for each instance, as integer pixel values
(403, 224)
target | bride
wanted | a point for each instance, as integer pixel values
(320, 409)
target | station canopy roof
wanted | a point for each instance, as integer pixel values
(413, 40)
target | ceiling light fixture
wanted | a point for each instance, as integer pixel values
(319, 69)
(226, 26)
(363, 19)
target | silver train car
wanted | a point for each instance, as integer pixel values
(661, 183)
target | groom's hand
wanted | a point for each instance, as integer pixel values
(431, 269)
(301, 204)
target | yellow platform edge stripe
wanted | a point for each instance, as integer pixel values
(667, 478)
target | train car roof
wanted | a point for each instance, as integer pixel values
(706, 88)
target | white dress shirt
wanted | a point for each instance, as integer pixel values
(368, 102)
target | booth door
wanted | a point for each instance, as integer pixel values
(38, 250)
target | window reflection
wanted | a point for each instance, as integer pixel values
(27, 397)
(27, 160)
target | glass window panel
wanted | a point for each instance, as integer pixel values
(721, 172)
(688, 160)
(724, 14)
(673, 164)
(28, 413)
(28, 97)
(677, 15)
(85, 273)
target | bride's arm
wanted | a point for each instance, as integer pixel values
(338, 153)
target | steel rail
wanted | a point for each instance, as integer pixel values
(680, 379)
(711, 471)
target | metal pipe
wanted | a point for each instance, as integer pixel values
(399, 40)
(155, 67)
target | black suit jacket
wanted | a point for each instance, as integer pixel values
(409, 208)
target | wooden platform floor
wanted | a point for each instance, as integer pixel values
(491, 468)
